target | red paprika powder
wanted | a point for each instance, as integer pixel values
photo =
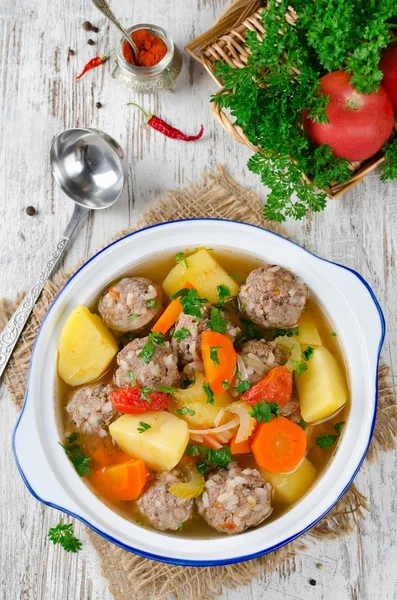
(151, 48)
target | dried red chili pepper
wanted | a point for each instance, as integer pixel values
(166, 129)
(93, 63)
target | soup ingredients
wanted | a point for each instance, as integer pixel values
(162, 509)
(321, 388)
(151, 49)
(123, 481)
(290, 344)
(263, 412)
(247, 422)
(235, 499)
(93, 63)
(328, 439)
(204, 272)
(161, 447)
(195, 399)
(192, 488)
(358, 124)
(166, 129)
(171, 314)
(279, 445)
(86, 348)
(79, 460)
(219, 358)
(241, 447)
(130, 304)
(308, 334)
(291, 410)
(108, 455)
(147, 363)
(388, 66)
(91, 411)
(275, 387)
(138, 400)
(260, 357)
(290, 487)
(63, 534)
(188, 346)
(273, 297)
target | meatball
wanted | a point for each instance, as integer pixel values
(273, 297)
(91, 410)
(130, 304)
(161, 508)
(235, 499)
(291, 410)
(161, 370)
(260, 357)
(189, 349)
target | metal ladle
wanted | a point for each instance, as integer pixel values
(88, 165)
(105, 9)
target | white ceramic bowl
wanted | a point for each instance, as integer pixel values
(345, 297)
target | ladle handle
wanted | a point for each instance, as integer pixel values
(10, 334)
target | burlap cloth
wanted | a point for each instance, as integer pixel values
(132, 577)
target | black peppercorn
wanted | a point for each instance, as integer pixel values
(71, 52)
(313, 582)
(30, 210)
(87, 26)
(91, 42)
(95, 29)
(98, 105)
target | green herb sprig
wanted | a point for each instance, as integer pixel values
(63, 534)
(79, 460)
(328, 439)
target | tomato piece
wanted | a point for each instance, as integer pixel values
(388, 66)
(275, 387)
(137, 400)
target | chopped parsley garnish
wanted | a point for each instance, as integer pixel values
(143, 427)
(191, 301)
(243, 386)
(181, 334)
(130, 375)
(153, 303)
(216, 322)
(185, 411)
(180, 526)
(133, 316)
(165, 389)
(333, 334)
(302, 424)
(264, 411)
(213, 458)
(209, 393)
(325, 441)
(308, 353)
(149, 348)
(214, 354)
(286, 332)
(237, 277)
(139, 522)
(300, 367)
(79, 460)
(186, 382)
(225, 384)
(192, 450)
(144, 394)
(223, 294)
(63, 534)
(251, 332)
(180, 257)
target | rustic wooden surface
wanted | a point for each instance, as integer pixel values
(40, 98)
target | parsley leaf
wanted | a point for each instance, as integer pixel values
(285, 332)
(146, 354)
(237, 277)
(389, 168)
(302, 424)
(191, 301)
(180, 257)
(216, 322)
(133, 316)
(186, 382)
(79, 460)
(144, 394)
(153, 303)
(333, 334)
(243, 386)
(264, 411)
(185, 411)
(300, 367)
(63, 534)
(181, 334)
(251, 332)
(165, 389)
(191, 450)
(209, 393)
(213, 458)
(225, 384)
(223, 294)
(180, 527)
(214, 354)
(308, 353)
(325, 441)
(143, 427)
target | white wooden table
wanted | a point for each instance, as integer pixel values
(40, 97)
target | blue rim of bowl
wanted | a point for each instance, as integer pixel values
(202, 563)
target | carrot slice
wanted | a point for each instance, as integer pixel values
(279, 445)
(104, 457)
(219, 358)
(170, 315)
(124, 481)
(241, 447)
(275, 387)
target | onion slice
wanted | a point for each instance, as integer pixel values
(229, 425)
(246, 422)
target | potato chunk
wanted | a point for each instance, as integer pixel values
(86, 347)
(160, 446)
(308, 332)
(195, 399)
(322, 388)
(204, 272)
(290, 487)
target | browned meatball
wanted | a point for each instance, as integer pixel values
(273, 297)
(291, 410)
(189, 348)
(90, 409)
(161, 508)
(235, 499)
(161, 370)
(130, 304)
(259, 357)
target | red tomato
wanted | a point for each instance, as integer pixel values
(358, 125)
(137, 400)
(276, 387)
(388, 66)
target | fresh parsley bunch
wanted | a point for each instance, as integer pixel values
(281, 79)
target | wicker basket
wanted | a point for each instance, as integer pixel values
(225, 41)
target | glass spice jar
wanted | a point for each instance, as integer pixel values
(156, 78)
